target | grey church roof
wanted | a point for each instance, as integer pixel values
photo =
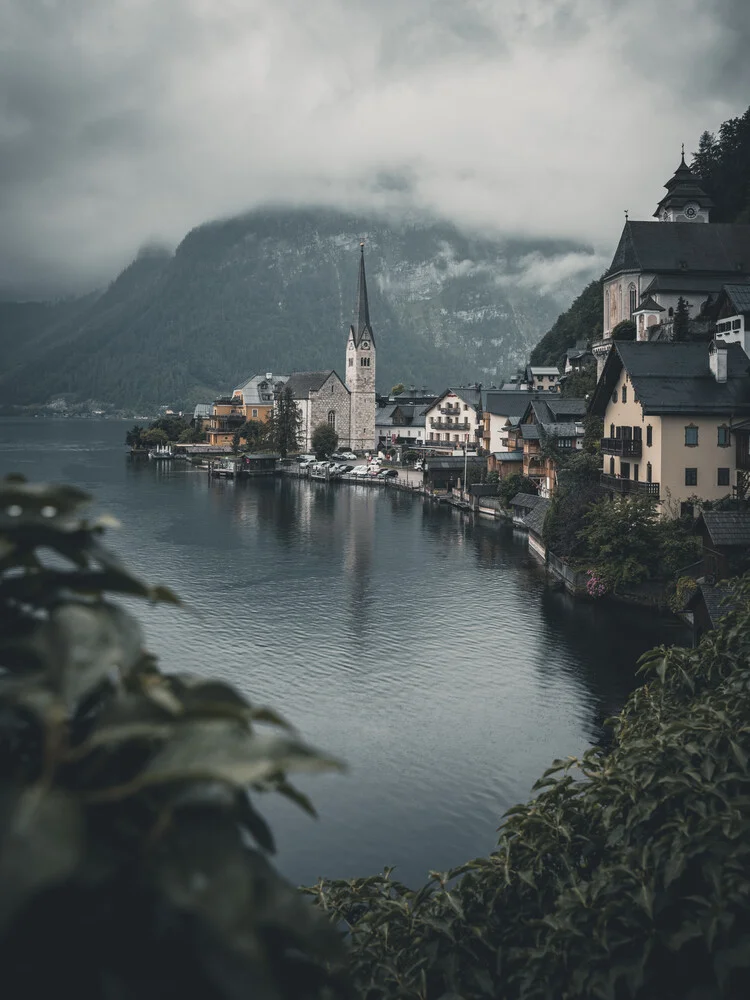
(683, 187)
(303, 383)
(727, 527)
(683, 246)
(676, 378)
(706, 284)
(649, 305)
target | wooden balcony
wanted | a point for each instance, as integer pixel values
(624, 447)
(618, 485)
(443, 425)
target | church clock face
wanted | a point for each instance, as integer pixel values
(690, 211)
(366, 345)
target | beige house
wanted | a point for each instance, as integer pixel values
(453, 421)
(675, 421)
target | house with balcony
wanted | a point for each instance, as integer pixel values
(454, 421)
(676, 421)
(502, 411)
(540, 378)
(252, 400)
(549, 426)
(400, 425)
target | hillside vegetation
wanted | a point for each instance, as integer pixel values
(275, 290)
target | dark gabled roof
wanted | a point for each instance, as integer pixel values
(715, 600)
(505, 403)
(412, 415)
(452, 461)
(683, 246)
(361, 327)
(739, 296)
(534, 520)
(468, 394)
(526, 500)
(303, 383)
(508, 456)
(552, 410)
(676, 378)
(704, 285)
(530, 432)
(562, 429)
(726, 527)
(648, 305)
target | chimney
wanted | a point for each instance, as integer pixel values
(269, 376)
(717, 361)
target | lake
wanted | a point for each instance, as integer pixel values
(419, 644)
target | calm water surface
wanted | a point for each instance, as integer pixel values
(421, 646)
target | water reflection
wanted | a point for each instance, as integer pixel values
(421, 645)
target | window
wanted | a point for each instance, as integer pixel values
(351, 362)
(636, 472)
(722, 478)
(632, 298)
(649, 436)
(624, 394)
(723, 438)
(625, 470)
(255, 413)
(364, 362)
(332, 418)
(611, 466)
(637, 433)
(691, 436)
(331, 388)
(614, 396)
(466, 407)
(670, 312)
(648, 472)
(611, 430)
(691, 477)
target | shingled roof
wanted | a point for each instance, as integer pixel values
(676, 378)
(303, 383)
(726, 527)
(683, 246)
(715, 600)
(683, 187)
(739, 296)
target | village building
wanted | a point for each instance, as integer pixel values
(253, 400)
(541, 378)
(730, 315)
(682, 256)
(676, 421)
(401, 425)
(548, 427)
(454, 421)
(725, 538)
(530, 512)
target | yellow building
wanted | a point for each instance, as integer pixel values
(675, 421)
(253, 400)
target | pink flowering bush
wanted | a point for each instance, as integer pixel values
(595, 584)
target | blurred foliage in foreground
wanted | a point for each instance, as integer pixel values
(134, 864)
(133, 860)
(628, 876)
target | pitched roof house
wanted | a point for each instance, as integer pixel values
(673, 421)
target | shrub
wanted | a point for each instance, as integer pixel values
(509, 486)
(133, 859)
(625, 877)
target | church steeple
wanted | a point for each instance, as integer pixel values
(361, 327)
(685, 200)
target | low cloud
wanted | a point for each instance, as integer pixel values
(126, 120)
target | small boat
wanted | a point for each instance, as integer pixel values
(225, 468)
(161, 452)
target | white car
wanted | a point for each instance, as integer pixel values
(359, 470)
(348, 455)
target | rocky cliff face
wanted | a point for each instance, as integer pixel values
(274, 290)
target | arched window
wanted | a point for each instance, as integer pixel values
(624, 394)
(332, 418)
(648, 472)
(607, 317)
(611, 466)
(633, 299)
(670, 312)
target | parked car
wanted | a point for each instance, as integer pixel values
(348, 455)
(306, 458)
(387, 473)
(419, 466)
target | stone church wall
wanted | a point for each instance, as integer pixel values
(332, 395)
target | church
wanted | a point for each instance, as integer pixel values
(321, 397)
(348, 405)
(683, 255)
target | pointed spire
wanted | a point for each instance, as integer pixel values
(361, 326)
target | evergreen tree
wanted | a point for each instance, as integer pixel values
(680, 326)
(285, 423)
(256, 433)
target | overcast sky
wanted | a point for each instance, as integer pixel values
(123, 121)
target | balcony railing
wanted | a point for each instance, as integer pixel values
(451, 410)
(626, 447)
(618, 485)
(443, 425)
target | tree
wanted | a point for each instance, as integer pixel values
(581, 323)
(578, 488)
(397, 388)
(324, 440)
(236, 443)
(194, 434)
(255, 433)
(580, 384)
(624, 330)
(155, 436)
(285, 423)
(133, 858)
(593, 431)
(515, 483)
(172, 425)
(134, 437)
(681, 322)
